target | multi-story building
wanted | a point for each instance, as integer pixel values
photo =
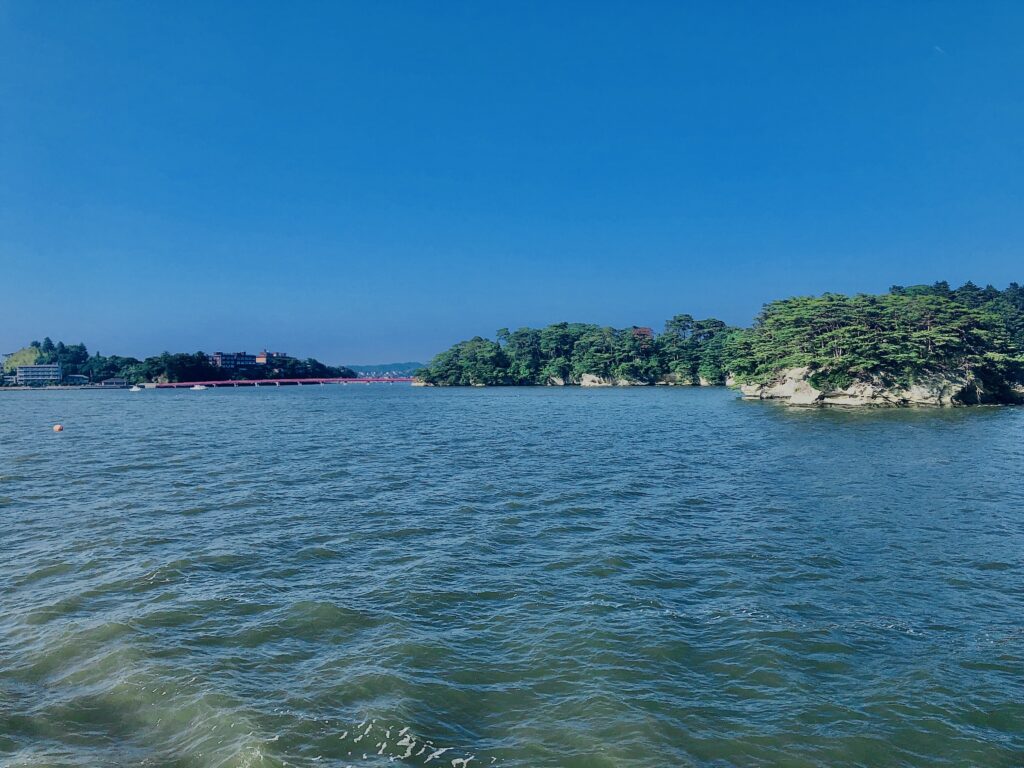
(233, 360)
(264, 357)
(37, 375)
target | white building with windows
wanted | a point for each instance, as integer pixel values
(37, 375)
(233, 360)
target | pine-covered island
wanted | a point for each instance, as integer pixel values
(915, 345)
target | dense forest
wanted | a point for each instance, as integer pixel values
(167, 367)
(896, 336)
(689, 350)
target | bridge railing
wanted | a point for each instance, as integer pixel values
(279, 382)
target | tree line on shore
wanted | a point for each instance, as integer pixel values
(896, 337)
(75, 360)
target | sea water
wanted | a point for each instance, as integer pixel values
(383, 575)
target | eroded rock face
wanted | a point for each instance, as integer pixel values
(592, 380)
(674, 380)
(793, 385)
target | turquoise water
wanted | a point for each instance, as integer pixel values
(382, 575)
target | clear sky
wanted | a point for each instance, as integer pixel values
(372, 181)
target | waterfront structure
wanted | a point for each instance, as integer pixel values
(38, 375)
(115, 382)
(278, 382)
(233, 360)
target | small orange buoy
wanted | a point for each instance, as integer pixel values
(58, 427)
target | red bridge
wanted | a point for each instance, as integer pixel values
(282, 382)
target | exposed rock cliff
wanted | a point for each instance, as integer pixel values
(593, 380)
(795, 386)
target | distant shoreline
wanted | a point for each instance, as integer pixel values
(220, 384)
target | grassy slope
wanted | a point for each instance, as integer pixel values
(26, 356)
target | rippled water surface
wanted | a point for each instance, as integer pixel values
(378, 575)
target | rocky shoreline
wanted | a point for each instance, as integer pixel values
(588, 380)
(795, 387)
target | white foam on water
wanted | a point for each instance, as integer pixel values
(436, 754)
(403, 748)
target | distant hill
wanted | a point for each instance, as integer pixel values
(25, 356)
(385, 368)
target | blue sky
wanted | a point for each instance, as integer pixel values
(368, 182)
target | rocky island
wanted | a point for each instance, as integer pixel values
(917, 345)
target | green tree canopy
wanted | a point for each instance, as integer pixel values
(567, 351)
(898, 336)
(909, 332)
